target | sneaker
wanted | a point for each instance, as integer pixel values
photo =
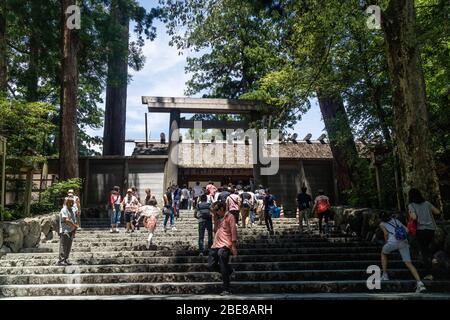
(420, 287)
(165, 229)
(61, 263)
(117, 230)
(174, 229)
(428, 277)
(68, 263)
(232, 274)
(200, 254)
(225, 293)
(111, 230)
(385, 277)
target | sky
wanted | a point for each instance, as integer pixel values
(164, 76)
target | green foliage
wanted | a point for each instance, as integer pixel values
(33, 55)
(27, 127)
(433, 33)
(8, 214)
(54, 195)
(16, 211)
(282, 52)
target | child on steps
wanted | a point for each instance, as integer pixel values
(149, 214)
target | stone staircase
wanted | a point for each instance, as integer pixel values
(287, 265)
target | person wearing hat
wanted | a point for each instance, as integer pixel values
(67, 229)
(130, 206)
(76, 206)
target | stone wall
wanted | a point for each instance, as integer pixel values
(16, 236)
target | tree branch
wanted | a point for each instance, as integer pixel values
(17, 49)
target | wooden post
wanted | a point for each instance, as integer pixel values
(303, 178)
(335, 183)
(146, 131)
(3, 173)
(43, 181)
(28, 189)
(86, 183)
(125, 176)
(172, 167)
(378, 156)
(378, 178)
(257, 179)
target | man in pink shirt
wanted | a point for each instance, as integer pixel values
(225, 239)
(211, 189)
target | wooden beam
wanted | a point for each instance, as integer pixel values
(215, 124)
(202, 105)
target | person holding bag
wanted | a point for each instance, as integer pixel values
(130, 205)
(422, 212)
(395, 235)
(321, 208)
(168, 209)
(233, 203)
(67, 229)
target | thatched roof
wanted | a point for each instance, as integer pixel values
(234, 155)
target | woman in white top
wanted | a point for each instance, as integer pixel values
(130, 205)
(395, 234)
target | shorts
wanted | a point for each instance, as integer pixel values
(401, 246)
(150, 222)
(128, 216)
(259, 204)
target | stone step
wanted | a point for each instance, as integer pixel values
(159, 244)
(346, 286)
(191, 228)
(193, 245)
(186, 220)
(18, 262)
(188, 249)
(309, 275)
(341, 296)
(189, 220)
(173, 236)
(200, 267)
(153, 253)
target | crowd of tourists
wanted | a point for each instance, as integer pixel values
(220, 211)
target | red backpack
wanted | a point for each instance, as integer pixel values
(322, 205)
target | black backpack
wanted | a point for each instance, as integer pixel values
(203, 210)
(246, 200)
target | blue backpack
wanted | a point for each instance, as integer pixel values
(400, 232)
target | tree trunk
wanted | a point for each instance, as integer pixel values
(34, 42)
(116, 90)
(3, 70)
(341, 139)
(68, 151)
(412, 135)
